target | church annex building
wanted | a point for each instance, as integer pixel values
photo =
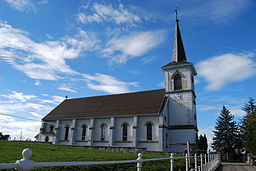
(158, 120)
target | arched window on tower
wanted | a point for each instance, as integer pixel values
(177, 82)
(103, 132)
(125, 131)
(66, 132)
(149, 130)
(83, 132)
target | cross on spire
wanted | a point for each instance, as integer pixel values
(178, 54)
(176, 12)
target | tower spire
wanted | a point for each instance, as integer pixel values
(178, 54)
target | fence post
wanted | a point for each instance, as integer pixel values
(139, 162)
(205, 161)
(195, 163)
(186, 159)
(201, 161)
(171, 162)
(25, 164)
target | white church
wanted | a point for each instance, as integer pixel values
(157, 120)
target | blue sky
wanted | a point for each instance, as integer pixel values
(50, 49)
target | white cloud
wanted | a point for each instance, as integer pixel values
(58, 99)
(19, 96)
(37, 83)
(208, 107)
(66, 88)
(124, 48)
(107, 83)
(44, 60)
(100, 13)
(20, 4)
(209, 134)
(28, 129)
(221, 70)
(217, 11)
(24, 106)
(237, 111)
(36, 114)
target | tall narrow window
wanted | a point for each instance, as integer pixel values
(83, 132)
(46, 139)
(51, 128)
(125, 130)
(149, 131)
(103, 132)
(66, 132)
(177, 82)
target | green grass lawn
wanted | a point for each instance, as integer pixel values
(11, 151)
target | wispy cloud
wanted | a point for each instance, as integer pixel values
(108, 13)
(20, 4)
(66, 88)
(107, 83)
(26, 106)
(17, 96)
(28, 129)
(208, 107)
(221, 70)
(24, 5)
(43, 60)
(120, 50)
(217, 11)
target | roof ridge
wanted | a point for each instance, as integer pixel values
(114, 94)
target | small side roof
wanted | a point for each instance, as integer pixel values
(143, 102)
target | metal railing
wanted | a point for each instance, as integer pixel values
(211, 162)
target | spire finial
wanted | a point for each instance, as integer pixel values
(176, 12)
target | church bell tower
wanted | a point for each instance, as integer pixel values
(181, 99)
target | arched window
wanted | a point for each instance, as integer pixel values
(66, 132)
(103, 132)
(125, 131)
(177, 82)
(51, 128)
(149, 130)
(83, 132)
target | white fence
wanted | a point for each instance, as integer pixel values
(207, 162)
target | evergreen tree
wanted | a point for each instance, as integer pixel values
(250, 133)
(226, 136)
(201, 143)
(249, 107)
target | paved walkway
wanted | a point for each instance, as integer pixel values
(235, 167)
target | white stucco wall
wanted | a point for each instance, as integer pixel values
(118, 131)
(141, 135)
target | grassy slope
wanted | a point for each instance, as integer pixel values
(11, 151)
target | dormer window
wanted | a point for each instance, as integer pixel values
(177, 82)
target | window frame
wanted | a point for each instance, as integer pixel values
(103, 128)
(84, 130)
(177, 82)
(125, 131)
(66, 132)
(149, 131)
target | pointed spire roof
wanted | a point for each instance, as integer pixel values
(178, 54)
